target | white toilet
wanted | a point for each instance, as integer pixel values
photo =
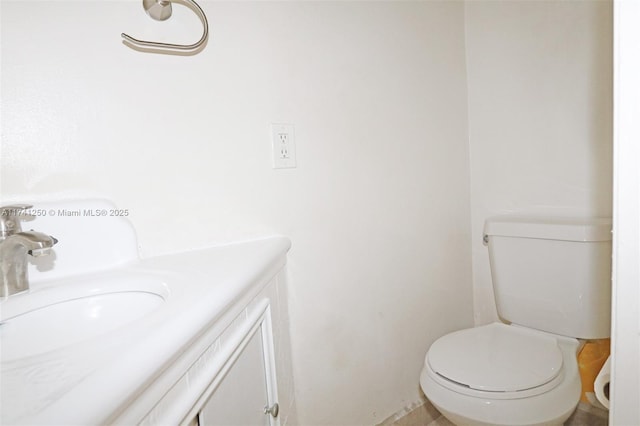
(552, 283)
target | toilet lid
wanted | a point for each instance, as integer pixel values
(496, 358)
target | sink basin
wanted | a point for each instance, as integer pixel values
(61, 315)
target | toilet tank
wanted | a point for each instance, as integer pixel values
(552, 274)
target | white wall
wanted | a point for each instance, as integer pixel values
(378, 208)
(540, 120)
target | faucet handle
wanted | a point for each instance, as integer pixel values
(10, 217)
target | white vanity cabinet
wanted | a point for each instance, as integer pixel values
(213, 350)
(235, 380)
(242, 396)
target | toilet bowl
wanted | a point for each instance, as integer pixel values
(503, 375)
(552, 282)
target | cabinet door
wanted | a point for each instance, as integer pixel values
(241, 398)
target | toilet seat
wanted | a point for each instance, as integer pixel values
(496, 361)
(549, 403)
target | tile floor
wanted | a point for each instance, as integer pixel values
(427, 415)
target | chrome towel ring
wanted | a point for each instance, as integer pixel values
(160, 10)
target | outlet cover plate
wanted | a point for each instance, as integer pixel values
(283, 146)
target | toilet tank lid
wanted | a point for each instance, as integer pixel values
(549, 228)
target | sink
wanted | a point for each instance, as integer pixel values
(72, 312)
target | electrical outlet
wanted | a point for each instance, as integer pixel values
(284, 146)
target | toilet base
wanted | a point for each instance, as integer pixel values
(495, 412)
(457, 419)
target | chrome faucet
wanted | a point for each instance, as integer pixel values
(15, 245)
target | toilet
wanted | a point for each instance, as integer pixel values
(552, 285)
